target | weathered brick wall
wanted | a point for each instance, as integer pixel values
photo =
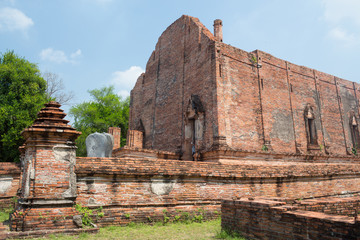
(49, 175)
(43, 218)
(116, 133)
(252, 100)
(182, 64)
(348, 206)
(265, 219)
(238, 100)
(135, 139)
(139, 190)
(265, 105)
(9, 182)
(144, 187)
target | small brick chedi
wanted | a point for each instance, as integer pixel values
(48, 185)
(204, 98)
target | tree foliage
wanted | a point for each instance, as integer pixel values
(107, 109)
(22, 95)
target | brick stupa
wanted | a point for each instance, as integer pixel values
(48, 182)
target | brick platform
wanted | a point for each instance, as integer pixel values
(10, 174)
(145, 187)
(277, 220)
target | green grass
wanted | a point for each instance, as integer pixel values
(179, 231)
(4, 214)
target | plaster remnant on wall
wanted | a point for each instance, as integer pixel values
(199, 129)
(92, 201)
(64, 153)
(326, 135)
(67, 153)
(91, 179)
(188, 131)
(32, 174)
(245, 135)
(282, 127)
(162, 186)
(28, 167)
(5, 183)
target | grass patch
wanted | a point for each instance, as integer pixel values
(223, 234)
(185, 229)
(178, 231)
(5, 214)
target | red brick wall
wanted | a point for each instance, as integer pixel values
(265, 219)
(9, 182)
(43, 218)
(122, 185)
(182, 64)
(266, 105)
(348, 206)
(333, 129)
(52, 174)
(135, 139)
(251, 98)
(128, 186)
(238, 99)
(116, 133)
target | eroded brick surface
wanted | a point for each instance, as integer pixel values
(127, 185)
(268, 219)
(348, 206)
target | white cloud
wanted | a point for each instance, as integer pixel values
(343, 19)
(52, 55)
(12, 19)
(8, 2)
(337, 11)
(342, 35)
(123, 93)
(103, 1)
(59, 56)
(124, 81)
(98, 2)
(75, 54)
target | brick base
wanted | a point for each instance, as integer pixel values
(32, 219)
(123, 216)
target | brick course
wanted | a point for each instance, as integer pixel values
(267, 219)
(126, 185)
(348, 206)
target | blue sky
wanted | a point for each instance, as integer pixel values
(95, 43)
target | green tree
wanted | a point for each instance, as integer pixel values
(107, 109)
(22, 95)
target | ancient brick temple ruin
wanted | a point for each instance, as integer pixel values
(201, 95)
(209, 123)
